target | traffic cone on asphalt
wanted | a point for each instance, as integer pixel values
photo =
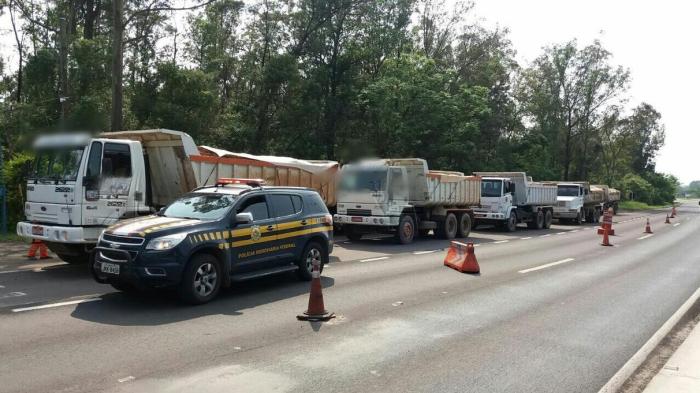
(607, 223)
(667, 220)
(316, 310)
(461, 257)
(673, 212)
(38, 245)
(648, 227)
(606, 239)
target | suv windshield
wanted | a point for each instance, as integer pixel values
(567, 191)
(362, 180)
(201, 206)
(491, 188)
(60, 164)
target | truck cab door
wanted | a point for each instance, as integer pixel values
(107, 183)
(398, 194)
(254, 243)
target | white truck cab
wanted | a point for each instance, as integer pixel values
(496, 199)
(570, 200)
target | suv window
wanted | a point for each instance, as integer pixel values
(256, 206)
(314, 204)
(296, 200)
(282, 204)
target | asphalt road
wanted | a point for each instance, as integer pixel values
(552, 311)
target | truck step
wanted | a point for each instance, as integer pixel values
(263, 273)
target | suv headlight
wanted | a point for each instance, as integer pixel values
(166, 242)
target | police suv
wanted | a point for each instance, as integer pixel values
(235, 230)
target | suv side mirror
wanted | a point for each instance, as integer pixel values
(161, 211)
(244, 218)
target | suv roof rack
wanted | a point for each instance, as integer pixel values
(242, 181)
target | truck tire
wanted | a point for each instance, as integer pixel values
(352, 234)
(596, 216)
(537, 222)
(579, 218)
(201, 280)
(547, 219)
(406, 230)
(512, 223)
(312, 251)
(465, 225)
(447, 229)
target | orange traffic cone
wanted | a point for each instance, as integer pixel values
(606, 240)
(461, 257)
(667, 220)
(648, 227)
(38, 245)
(673, 212)
(316, 310)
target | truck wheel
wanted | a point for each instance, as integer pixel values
(537, 222)
(465, 225)
(512, 223)
(406, 230)
(312, 252)
(596, 216)
(448, 229)
(547, 219)
(352, 234)
(615, 207)
(201, 281)
(579, 218)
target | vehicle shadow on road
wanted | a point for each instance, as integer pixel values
(162, 307)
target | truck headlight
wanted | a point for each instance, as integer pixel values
(166, 242)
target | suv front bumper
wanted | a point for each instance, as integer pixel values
(148, 270)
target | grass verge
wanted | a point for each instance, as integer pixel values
(636, 205)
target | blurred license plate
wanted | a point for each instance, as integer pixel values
(111, 268)
(38, 230)
(356, 219)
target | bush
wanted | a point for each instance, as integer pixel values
(14, 178)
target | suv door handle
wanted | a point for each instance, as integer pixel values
(303, 222)
(270, 228)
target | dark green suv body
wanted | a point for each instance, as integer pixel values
(214, 236)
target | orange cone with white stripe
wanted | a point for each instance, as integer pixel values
(673, 212)
(606, 239)
(316, 310)
(648, 227)
(461, 257)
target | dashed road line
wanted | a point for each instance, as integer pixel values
(126, 379)
(12, 294)
(547, 235)
(501, 241)
(52, 305)
(424, 252)
(676, 224)
(560, 233)
(645, 236)
(373, 259)
(532, 269)
(526, 238)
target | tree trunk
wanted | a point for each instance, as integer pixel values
(117, 64)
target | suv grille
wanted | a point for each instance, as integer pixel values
(136, 241)
(359, 212)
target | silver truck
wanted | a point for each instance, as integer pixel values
(509, 198)
(402, 196)
(578, 202)
(611, 197)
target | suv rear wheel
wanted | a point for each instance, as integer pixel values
(201, 281)
(313, 252)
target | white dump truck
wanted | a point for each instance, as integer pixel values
(611, 197)
(79, 185)
(578, 201)
(509, 198)
(402, 196)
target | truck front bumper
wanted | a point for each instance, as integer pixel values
(58, 233)
(386, 221)
(489, 216)
(565, 213)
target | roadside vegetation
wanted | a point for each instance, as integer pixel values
(326, 79)
(636, 205)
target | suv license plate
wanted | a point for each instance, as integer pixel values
(38, 230)
(111, 268)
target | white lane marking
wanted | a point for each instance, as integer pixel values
(2, 286)
(13, 294)
(501, 242)
(373, 259)
(615, 383)
(645, 236)
(575, 230)
(424, 252)
(676, 224)
(526, 238)
(60, 304)
(532, 269)
(547, 235)
(126, 379)
(560, 233)
(477, 245)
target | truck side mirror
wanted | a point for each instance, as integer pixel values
(244, 218)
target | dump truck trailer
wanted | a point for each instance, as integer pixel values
(80, 185)
(404, 197)
(611, 197)
(509, 198)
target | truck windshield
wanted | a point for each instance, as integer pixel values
(567, 191)
(491, 188)
(201, 206)
(57, 164)
(364, 180)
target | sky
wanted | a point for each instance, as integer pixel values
(657, 41)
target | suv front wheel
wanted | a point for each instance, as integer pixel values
(202, 280)
(313, 252)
